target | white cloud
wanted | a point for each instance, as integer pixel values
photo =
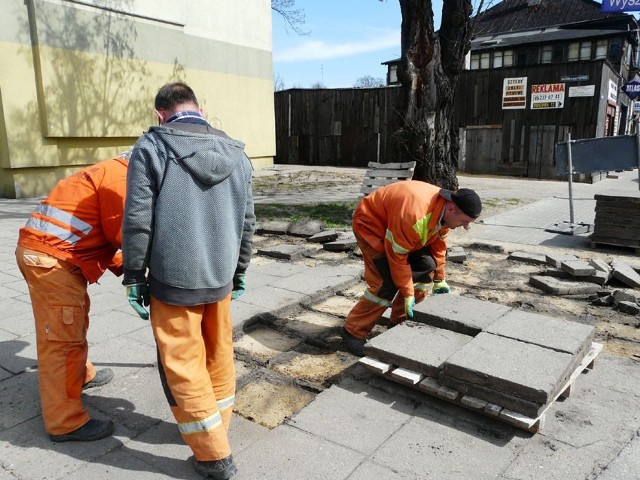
(321, 50)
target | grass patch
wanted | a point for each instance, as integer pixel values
(334, 215)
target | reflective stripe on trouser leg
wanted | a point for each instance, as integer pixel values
(367, 312)
(397, 308)
(195, 347)
(60, 304)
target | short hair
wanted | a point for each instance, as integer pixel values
(173, 94)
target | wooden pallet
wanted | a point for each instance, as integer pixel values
(381, 174)
(431, 386)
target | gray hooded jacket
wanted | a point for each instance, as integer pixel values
(189, 215)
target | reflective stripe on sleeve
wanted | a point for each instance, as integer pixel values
(51, 229)
(64, 217)
(199, 426)
(396, 248)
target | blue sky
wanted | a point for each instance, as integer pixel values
(348, 39)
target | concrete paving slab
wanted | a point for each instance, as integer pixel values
(369, 470)
(459, 314)
(542, 457)
(283, 251)
(291, 454)
(620, 270)
(577, 268)
(18, 354)
(626, 464)
(528, 257)
(549, 332)
(123, 355)
(306, 228)
(274, 300)
(120, 464)
(509, 366)
(555, 259)
(377, 413)
(129, 406)
(431, 446)
(20, 325)
(19, 399)
(324, 236)
(276, 227)
(416, 346)
(503, 400)
(26, 446)
(557, 286)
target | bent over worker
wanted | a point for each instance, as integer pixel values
(401, 230)
(69, 241)
(188, 228)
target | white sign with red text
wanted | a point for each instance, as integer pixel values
(547, 95)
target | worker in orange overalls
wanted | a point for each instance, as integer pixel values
(401, 230)
(69, 241)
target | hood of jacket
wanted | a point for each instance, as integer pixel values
(209, 157)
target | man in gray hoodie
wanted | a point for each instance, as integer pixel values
(187, 232)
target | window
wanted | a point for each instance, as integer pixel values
(497, 59)
(585, 50)
(475, 61)
(615, 50)
(558, 53)
(507, 58)
(574, 49)
(484, 60)
(547, 54)
(527, 56)
(601, 49)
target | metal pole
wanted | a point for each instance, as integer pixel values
(570, 179)
(638, 152)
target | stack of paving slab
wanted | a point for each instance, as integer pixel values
(617, 220)
(502, 362)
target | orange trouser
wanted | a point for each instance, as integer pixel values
(60, 304)
(378, 297)
(195, 349)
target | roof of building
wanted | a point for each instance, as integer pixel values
(514, 15)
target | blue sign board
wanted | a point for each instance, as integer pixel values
(620, 6)
(632, 88)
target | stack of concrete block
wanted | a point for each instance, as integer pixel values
(487, 357)
(617, 220)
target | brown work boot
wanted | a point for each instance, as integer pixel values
(90, 431)
(102, 377)
(217, 469)
(354, 344)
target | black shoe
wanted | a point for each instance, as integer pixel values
(354, 345)
(90, 431)
(217, 469)
(102, 377)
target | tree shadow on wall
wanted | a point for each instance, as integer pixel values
(94, 85)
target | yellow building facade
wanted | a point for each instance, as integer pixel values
(78, 79)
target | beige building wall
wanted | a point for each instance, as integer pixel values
(78, 79)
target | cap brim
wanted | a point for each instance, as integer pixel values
(446, 194)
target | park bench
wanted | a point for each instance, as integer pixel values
(381, 174)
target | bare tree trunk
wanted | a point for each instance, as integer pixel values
(431, 64)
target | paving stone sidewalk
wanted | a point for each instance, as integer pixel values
(360, 428)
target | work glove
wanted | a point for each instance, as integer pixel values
(440, 286)
(238, 286)
(409, 303)
(138, 296)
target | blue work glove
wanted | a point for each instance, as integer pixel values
(440, 286)
(138, 296)
(238, 286)
(409, 303)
